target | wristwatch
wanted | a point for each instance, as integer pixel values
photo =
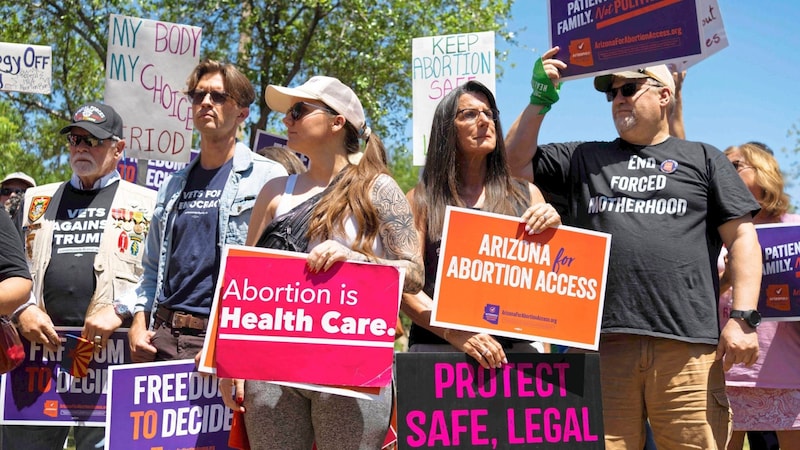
(122, 310)
(751, 317)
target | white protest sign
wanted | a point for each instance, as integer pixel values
(440, 64)
(146, 70)
(26, 68)
(712, 34)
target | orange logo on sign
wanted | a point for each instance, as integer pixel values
(778, 297)
(51, 408)
(580, 52)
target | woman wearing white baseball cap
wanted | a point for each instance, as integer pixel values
(345, 207)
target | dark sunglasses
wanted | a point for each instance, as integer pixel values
(9, 191)
(300, 109)
(90, 140)
(198, 95)
(627, 90)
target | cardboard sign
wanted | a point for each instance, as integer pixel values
(440, 64)
(779, 297)
(146, 70)
(599, 37)
(494, 277)
(165, 405)
(276, 321)
(26, 68)
(447, 400)
(41, 390)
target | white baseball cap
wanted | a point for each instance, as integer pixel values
(328, 90)
(659, 73)
(20, 176)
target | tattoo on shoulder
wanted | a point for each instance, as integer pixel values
(397, 222)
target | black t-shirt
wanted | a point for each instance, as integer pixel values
(12, 255)
(663, 205)
(195, 257)
(69, 281)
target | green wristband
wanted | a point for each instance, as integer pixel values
(544, 92)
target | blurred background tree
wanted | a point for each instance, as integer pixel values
(365, 43)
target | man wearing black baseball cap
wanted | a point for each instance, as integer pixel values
(669, 205)
(84, 241)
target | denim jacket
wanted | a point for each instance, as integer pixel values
(249, 174)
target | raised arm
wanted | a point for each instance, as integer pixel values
(676, 127)
(522, 138)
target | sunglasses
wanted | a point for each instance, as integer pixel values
(91, 141)
(9, 191)
(300, 109)
(471, 115)
(740, 165)
(627, 90)
(198, 95)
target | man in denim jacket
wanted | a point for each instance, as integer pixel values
(198, 210)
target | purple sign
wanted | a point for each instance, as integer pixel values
(779, 298)
(157, 170)
(600, 36)
(264, 139)
(42, 392)
(166, 405)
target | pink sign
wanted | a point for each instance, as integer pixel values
(276, 321)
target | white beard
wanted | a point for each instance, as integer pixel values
(625, 123)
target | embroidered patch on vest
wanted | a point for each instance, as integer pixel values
(38, 207)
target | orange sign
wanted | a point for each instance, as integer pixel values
(496, 278)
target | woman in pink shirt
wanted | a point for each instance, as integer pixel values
(766, 395)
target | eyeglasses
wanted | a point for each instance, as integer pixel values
(9, 191)
(740, 165)
(198, 95)
(91, 141)
(300, 109)
(627, 90)
(471, 115)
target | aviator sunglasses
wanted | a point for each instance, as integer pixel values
(91, 141)
(300, 109)
(198, 95)
(627, 90)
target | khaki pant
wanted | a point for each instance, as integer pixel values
(677, 385)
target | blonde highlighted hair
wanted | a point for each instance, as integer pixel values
(774, 201)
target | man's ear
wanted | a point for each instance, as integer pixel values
(243, 113)
(119, 148)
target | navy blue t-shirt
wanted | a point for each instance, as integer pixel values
(195, 259)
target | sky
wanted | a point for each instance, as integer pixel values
(746, 91)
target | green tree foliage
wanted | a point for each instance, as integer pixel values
(365, 43)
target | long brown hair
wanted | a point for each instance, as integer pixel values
(440, 184)
(351, 194)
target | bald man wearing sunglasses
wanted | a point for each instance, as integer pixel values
(669, 205)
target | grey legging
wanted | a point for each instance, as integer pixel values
(284, 418)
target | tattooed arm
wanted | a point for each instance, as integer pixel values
(397, 232)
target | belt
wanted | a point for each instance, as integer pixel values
(178, 320)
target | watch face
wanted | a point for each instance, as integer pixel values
(755, 318)
(121, 309)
